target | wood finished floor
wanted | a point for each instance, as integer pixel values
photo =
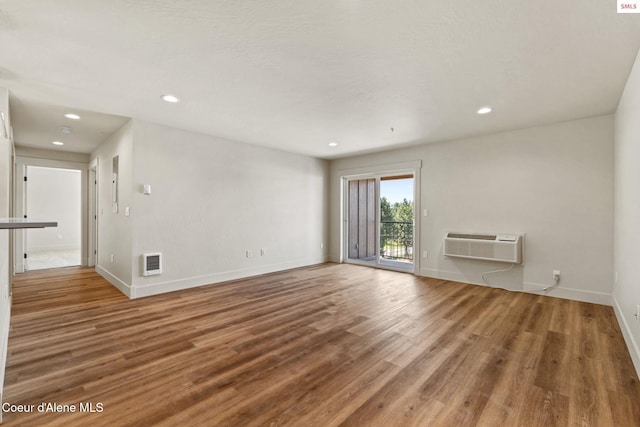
(326, 345)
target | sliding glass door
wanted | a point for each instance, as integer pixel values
(379, 221)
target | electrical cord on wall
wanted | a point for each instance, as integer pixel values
(556, 282)
(484, 279)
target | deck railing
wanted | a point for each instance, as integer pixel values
(396, 240)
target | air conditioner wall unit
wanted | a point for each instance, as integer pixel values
(485, 246)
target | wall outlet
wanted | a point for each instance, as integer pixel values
(321, 245)
(637, 316)
(425, 254)
(556, 274)
(111, 257)
(425, 213)
(248, 253)
(263, 252)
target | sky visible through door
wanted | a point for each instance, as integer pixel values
(396, 190)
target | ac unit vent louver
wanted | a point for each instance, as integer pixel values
(490, 247)
(151, 264)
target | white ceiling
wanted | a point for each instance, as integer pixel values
(37, 124)
(296, 75)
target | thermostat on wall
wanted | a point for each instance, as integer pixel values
(151, 264)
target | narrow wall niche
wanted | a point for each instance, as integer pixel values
(114, 184)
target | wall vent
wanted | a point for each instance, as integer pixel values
(151, 264)
(485, 246)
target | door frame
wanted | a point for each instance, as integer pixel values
(20, 207)
(92, 215)
(376, 172)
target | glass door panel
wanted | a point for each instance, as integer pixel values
(396, 221)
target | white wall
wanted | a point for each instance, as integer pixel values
(626, 294)
(212, 200)
(114, 229)
(6, 149)
(554, 183)
(56, 194)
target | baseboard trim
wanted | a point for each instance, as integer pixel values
(602, 298)
(141, 290)
(114, 280)
(334, 258)
(634, 350)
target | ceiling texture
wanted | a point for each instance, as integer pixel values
(296, 75)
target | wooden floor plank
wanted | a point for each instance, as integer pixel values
(325, 345)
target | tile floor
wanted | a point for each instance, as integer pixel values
(39, 260)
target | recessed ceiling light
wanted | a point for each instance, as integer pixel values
(333, 144)
(484, 110)
(57, 143)
(72, 116)
(170, 98)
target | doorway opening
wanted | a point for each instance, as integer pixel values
(380, 218)
(53, 193)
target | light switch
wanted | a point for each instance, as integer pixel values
(126, 211)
